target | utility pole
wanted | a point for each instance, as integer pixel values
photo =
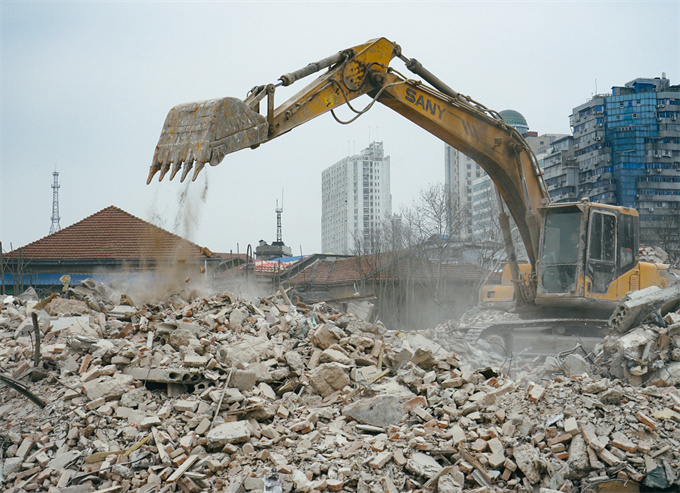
(55, 203)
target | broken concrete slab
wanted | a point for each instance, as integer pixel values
(228, 433)
(382, 411)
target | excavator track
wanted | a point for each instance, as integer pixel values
(539, 337)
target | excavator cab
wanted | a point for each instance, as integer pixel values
(587, 261)
(588, 255)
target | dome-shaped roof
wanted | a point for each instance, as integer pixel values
(514, 118)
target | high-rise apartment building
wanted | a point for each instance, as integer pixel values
(627, 148)
(356, 199)
(560, 170)
(459, 173)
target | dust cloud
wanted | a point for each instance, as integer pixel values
(163, 274)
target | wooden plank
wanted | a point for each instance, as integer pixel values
(100, 456)
(182, 469)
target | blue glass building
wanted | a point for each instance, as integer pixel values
(627, 148)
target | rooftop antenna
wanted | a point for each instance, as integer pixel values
(55, 202)
(279, 211)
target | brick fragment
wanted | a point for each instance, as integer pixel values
(609, 458)
(380, 460)
(646, 420)
(98, 402)
(91, 374)
(422, 414)
(560, 439)
(479, 445)
(399, 458)
(496, 446)
(591, 438)
(388, 485)
(592, 457)
(536, 392)
(620, 441)
(25, 447)
(496, 460)
(334, 484)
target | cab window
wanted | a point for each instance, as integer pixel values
(560, 253)
(601, 266)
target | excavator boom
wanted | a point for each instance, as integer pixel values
(202, 133)
(583, 256)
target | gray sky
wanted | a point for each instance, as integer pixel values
(86, 87)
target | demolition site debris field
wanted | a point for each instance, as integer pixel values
(225, 394)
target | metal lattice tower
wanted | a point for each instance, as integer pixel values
(55, 203)
(279, 211)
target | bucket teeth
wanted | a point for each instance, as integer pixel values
(204, 132)
(155, 167)
(175, 168)
(199, 167)
(185, 170)
(164, 169)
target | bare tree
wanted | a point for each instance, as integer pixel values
(405, 260)
(664, 233)
(404, 257)
(17, 268)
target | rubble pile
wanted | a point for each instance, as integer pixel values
(652, 254)
(224, 394)
(648, 353)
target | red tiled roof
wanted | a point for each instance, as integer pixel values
(111, 234)
(334, 271)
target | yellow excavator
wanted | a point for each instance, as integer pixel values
(583, 256)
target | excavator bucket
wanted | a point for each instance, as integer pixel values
(204, 132)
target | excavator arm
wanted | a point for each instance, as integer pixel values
(196, 134)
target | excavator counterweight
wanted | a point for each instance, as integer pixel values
(203, 133)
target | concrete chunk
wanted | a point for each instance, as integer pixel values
(107, 387)
(526, 458)
(329, 377)
(423, 465)
(233, 432)
(383, 411)
(578, 461)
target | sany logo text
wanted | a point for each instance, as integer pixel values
(425, 103)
